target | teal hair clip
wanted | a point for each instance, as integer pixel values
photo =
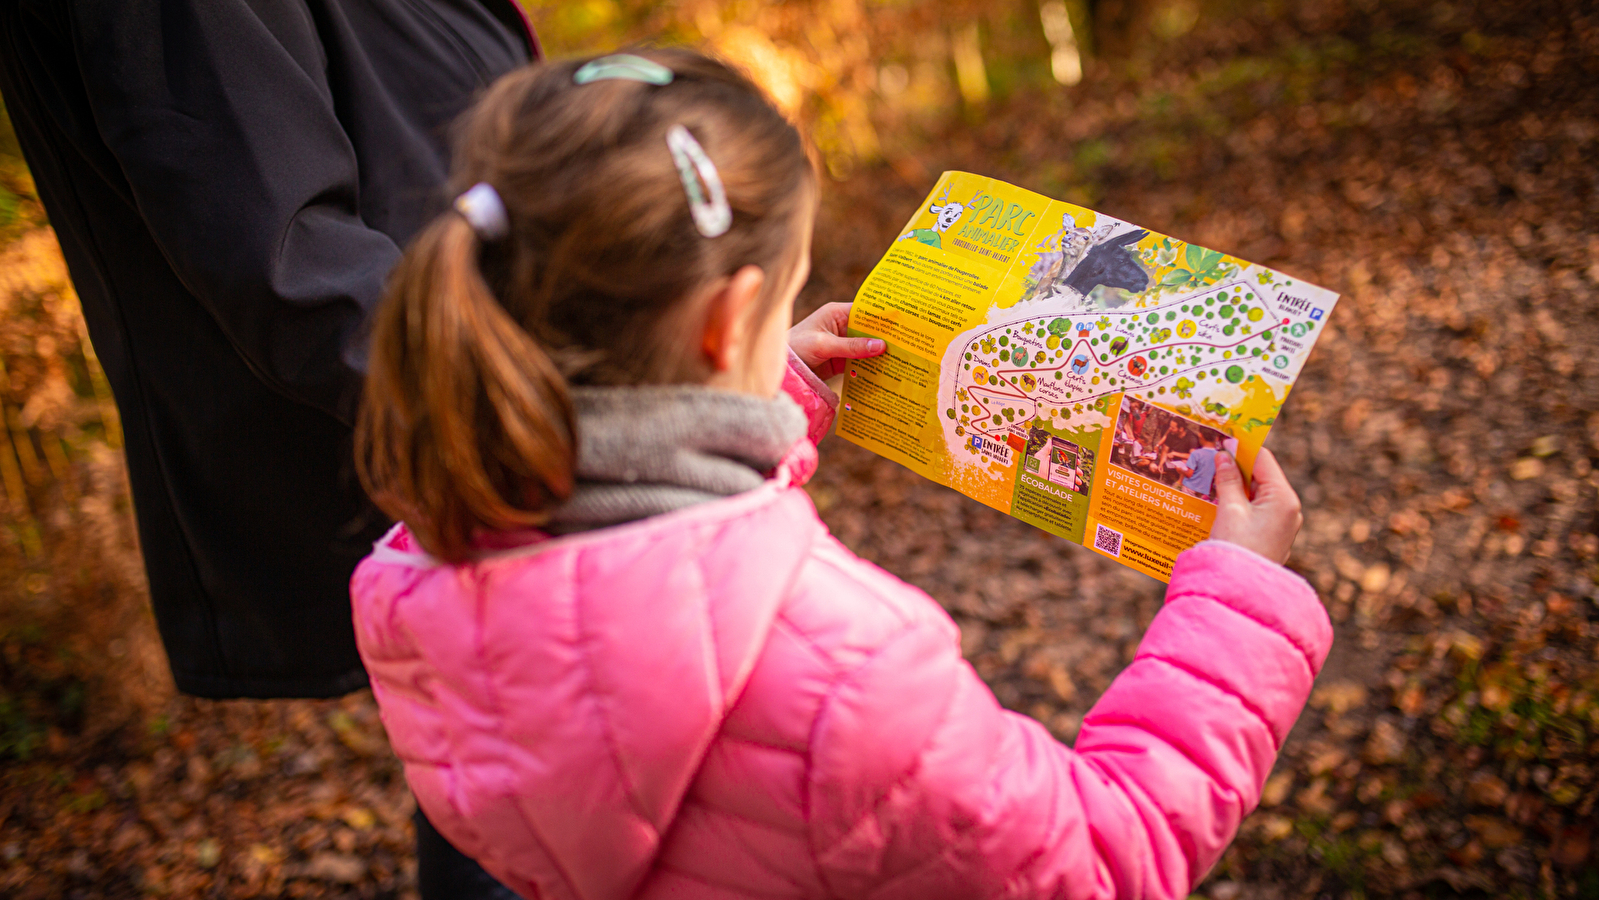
(625, 66)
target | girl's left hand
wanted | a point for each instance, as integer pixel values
(820, 343)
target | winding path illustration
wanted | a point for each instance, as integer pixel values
(1050, 365)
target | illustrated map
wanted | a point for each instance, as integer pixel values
(1073, 370)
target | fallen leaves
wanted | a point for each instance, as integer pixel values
(1276, 789)
(340, 868)
(1571, 847)
(1546, 445)
(1411, 698)
(233, 815)
(1486, 789)
(1375, 577)
(1275, 828)
(1326, 761)
(1526, 468)
(1385, 745)
(1338, 697)
(1493, 832)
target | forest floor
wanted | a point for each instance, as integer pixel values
(1436, 165)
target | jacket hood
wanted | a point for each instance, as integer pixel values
(562, 695)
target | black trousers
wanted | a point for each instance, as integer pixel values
(445, 873)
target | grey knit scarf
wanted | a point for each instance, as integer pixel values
(643, 451)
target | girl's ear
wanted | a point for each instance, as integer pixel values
(728, 324)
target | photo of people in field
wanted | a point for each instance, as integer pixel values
(1163, 446)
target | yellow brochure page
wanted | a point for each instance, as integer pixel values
(1073, 370)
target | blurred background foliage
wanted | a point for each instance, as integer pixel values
(851, 71)
(73, 591)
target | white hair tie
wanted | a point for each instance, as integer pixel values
(482, 208)
(711, 214)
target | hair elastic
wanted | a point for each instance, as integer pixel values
(625, 66)
(711, 215)
(483, 209)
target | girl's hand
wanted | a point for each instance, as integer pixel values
(820, 343)
(1268, 523)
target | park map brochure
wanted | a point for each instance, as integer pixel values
(1070, 369)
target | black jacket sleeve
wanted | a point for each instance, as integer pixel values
(222, 118)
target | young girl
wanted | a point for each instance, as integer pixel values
(615, 647)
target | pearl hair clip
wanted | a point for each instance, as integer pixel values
(483, 209)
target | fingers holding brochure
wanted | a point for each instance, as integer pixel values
(820, 341)
(1266, 523)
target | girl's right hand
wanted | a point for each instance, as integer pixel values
(1268, 523)
(822, 342)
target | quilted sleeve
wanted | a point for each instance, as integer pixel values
(813, 396)
(923, 786)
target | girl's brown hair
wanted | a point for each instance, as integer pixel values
(466, 424)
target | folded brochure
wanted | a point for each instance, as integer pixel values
(1070, 369)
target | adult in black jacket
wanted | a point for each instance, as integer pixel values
(231, 181)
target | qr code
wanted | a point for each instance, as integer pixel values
(1107, 540)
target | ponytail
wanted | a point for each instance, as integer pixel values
(466, 424)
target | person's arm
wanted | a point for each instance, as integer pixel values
(941, 792)
(921, 785)
(222, 119)
(814, 397)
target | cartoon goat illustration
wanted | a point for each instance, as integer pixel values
(946, 213)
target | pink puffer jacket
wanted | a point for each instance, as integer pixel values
(725, 702)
